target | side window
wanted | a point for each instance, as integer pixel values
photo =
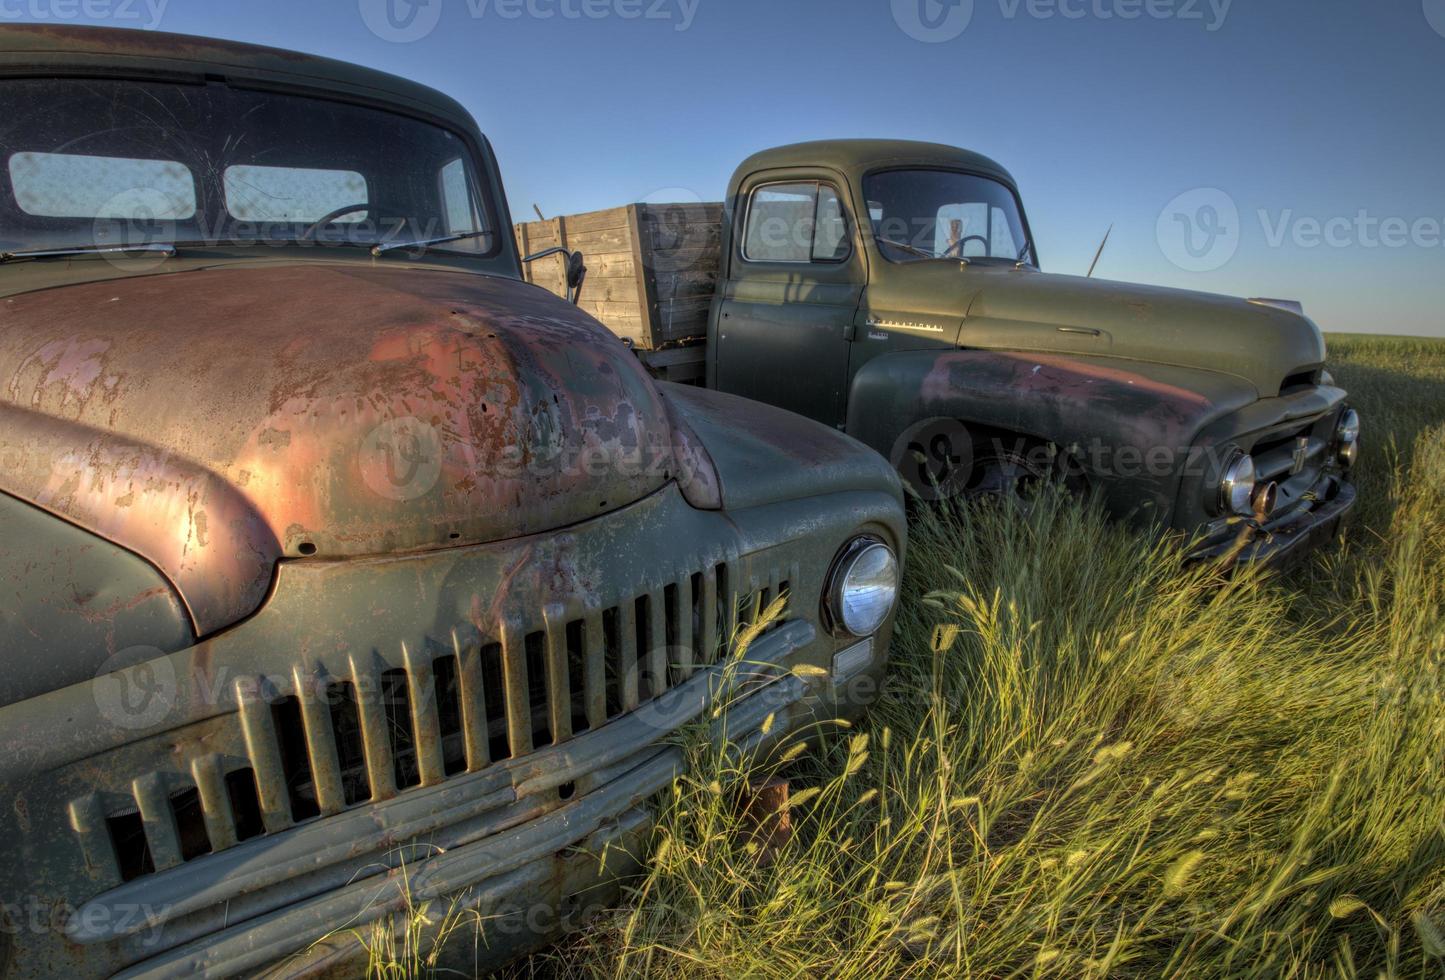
(1003, 236)
(294, 194)
(796, 222)
(830, 241)
(66, 185)
(457, 202)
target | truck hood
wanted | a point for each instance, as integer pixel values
(1030, 310)
(217, 421)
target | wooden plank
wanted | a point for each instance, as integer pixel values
(646, 294)
(585, 222)
(684, 285)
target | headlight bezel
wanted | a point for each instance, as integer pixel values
(835, 611)
(1347, 430)
(1237, 483)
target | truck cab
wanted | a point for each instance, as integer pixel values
(343, 573)
(893, 290)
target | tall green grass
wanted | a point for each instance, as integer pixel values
(1092, 762)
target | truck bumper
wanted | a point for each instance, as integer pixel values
(1287, 539)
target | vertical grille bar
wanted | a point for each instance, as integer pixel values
(657, 644)
(320, 741)
(265, 752)
(686, 602)
(474, 704)
(425, 722)
(87, 818)
(374, 734)
(559, 688)
(215, 804)
(627, 654)
(596, 646)
(514, 672)
(159, 821)
(727, 609)
(707, 639)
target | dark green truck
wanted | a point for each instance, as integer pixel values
(892, 290)
(342, 572)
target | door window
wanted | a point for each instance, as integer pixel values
(796, 222)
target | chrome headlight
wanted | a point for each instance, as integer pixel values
(864, 587)
(1348, 432)
(1236, 489)
(1347, 438)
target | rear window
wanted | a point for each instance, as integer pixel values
(294, 194)
(71, 185)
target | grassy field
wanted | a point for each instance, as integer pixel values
(1094, 763)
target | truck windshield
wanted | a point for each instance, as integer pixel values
(87, 162)
(943, 214)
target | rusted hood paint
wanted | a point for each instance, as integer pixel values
(1030, 310)
(214, 422)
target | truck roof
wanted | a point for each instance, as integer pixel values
(860, 155)
(100, 51)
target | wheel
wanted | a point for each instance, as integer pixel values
(1004, 471)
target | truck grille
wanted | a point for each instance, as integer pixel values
(328, 743)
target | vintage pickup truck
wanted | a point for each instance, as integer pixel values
(893, 290)
(342, 572)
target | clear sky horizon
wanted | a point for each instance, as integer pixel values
(1276, 148)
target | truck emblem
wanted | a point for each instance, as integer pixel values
(1301, 455)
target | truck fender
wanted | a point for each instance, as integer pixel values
(1130, 426)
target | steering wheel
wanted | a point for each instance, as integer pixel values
(964, 241)
(326, 219)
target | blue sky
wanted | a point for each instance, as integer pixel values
(1299, 145)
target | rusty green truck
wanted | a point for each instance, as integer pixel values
(342, 572)
(893, 290)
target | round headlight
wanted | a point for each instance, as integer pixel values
(1236, 490)
(864, 587)
(1348, 432)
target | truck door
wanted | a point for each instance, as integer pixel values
(784, 318)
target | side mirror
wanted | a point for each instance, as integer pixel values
(576, 269)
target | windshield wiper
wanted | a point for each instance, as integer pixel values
(907, 247)
(381, 248)
(159, 248)
(1025, 251)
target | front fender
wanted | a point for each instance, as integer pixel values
(1130, 424)
(765, 455)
